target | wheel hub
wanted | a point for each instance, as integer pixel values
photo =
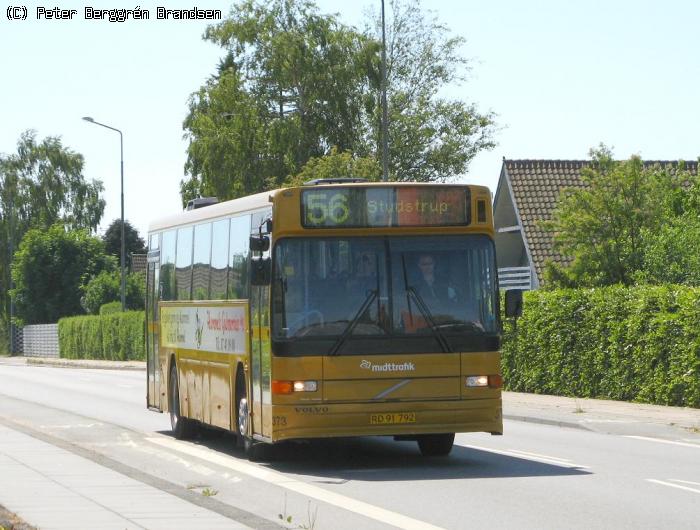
(243, 416)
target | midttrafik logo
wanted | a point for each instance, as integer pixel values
(388, 367)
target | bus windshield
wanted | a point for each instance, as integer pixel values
(358, 295)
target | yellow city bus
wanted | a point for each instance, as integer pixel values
(339, 308)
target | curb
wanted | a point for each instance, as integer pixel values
(545, 421)
(92, 364)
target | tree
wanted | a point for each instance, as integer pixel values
(40, 185)
(431, 138)
(49, 270)
(289, 88)
(602, 226)
(672, 253)
(106, 287)
(295, 84)
(133, 244)
(337, 165)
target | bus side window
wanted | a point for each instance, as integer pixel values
(238, 258)
(201, 262)
(183, 263)
(219, 259)
(167, 266)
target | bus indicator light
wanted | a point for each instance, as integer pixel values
(289, 387)
(495, 381)
(282, 387)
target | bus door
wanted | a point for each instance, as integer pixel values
(260, 353)
(152, 330)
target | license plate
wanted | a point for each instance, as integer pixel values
(390, 418)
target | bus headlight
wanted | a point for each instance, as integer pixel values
(477, 380)
(491, 381)
(305, 386)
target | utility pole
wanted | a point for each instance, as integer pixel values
(385, 117)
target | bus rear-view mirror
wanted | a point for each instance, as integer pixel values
(260, 271)
(514, 303)
(259, 243)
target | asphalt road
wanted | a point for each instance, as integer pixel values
(535, 476)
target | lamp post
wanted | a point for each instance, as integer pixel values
(121, 151)
(9, 261)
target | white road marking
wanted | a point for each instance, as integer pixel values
(547, 457)
(283, 481)
(526, 456)
(73, 426)
(670, 485)
(661, 441)
(685, 481)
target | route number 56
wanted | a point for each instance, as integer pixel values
(322, 209)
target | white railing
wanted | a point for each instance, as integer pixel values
(514, 278)
(41, 340)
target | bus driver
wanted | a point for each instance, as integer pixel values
(432, 289)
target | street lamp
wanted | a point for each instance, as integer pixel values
(9, 261)
(121, 150)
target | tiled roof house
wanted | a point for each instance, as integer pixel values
(527, 193)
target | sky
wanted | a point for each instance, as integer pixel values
(562, 77)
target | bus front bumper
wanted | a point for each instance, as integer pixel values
(321, 420)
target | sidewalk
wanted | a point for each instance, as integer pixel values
(85, 363)
(55, 489)
(616, 417)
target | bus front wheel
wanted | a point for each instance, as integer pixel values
(436, 444)
(183, 428)
(241, 408)
(255, 451)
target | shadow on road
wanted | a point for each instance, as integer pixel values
(381, 458)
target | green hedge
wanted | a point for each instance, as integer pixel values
(114, 337)
(634, 344)
(110, 308)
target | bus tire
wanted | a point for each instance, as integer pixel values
(183, 428)
(255, 451)
(436, 444)
(242, 413)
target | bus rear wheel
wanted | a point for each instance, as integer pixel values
(183, 428)
(436, 444)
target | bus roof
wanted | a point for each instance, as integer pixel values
(249, 203)
(258, 201)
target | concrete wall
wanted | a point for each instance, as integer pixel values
(41, 340)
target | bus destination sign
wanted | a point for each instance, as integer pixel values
(359, 207)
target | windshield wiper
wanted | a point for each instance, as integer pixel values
(423, 308)
(351, 325)
(428, 316)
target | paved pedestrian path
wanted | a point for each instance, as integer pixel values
(601, 415)
(76, 493)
